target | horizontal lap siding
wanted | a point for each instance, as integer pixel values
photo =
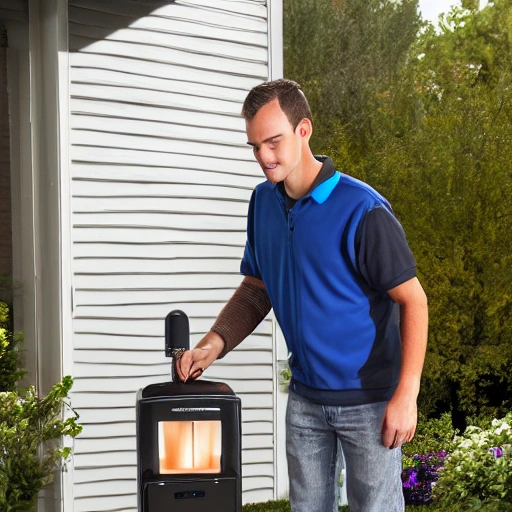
(14, 10)
(161, 178)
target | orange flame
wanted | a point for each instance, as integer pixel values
(189, 446)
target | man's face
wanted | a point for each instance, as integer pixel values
(276, 146)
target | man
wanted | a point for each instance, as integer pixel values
(325, 251)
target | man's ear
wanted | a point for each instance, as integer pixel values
(305, 128)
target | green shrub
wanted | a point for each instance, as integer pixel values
(432, 435)
(269, 506)
(285, 377)
(274, 506)
(31, 430)
(442, 508)
(10, 355)
(475, 477)
(284, 506)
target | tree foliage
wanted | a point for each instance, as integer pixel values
(437, 141)
(341, 52)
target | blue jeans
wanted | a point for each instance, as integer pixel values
(372, 470)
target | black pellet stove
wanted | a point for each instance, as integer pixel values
(188, 439)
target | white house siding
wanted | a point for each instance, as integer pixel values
(161, 178)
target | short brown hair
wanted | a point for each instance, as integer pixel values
(291, 99)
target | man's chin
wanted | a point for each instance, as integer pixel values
(272, 175)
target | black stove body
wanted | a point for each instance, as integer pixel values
(188, 447)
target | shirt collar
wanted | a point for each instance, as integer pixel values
(327, 178)
(326, 181)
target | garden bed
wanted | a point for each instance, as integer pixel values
(473, 473)
(284, 506)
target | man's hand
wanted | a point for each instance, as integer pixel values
(400, 421)
(194, 362)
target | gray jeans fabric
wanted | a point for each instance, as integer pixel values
(313, 434)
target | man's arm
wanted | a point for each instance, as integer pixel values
(401, 413)
(240, 316)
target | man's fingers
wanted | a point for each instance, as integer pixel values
(191, 364)
(394, 438)
(194, 374)
(410, 435)
(388, 437)
(198, 366)
(184, 364)
(180, 369)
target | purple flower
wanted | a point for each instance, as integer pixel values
(497, 452)
(411, 479)
(417, 481)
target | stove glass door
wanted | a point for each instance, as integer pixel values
(189, 446)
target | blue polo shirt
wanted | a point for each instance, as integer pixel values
(327, 264)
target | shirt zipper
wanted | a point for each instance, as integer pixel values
(298, 334)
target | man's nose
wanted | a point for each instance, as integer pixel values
(266, 155)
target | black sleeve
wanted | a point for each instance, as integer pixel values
(384, 257)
